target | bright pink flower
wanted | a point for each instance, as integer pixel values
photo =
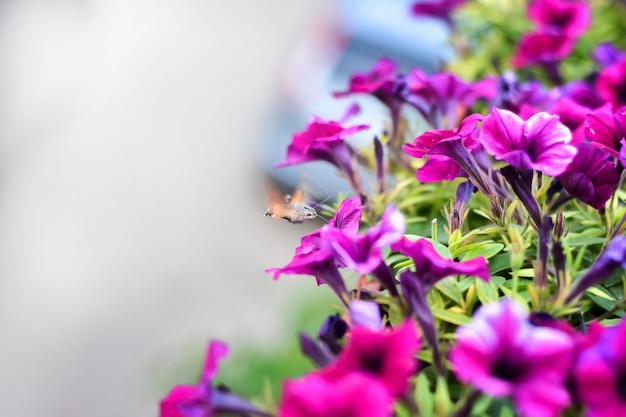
(542, 48)
(611, 83)
(606, 130)
(431, 267)
(202, 400)
(570, 18)
(600, 373)
(572, 115)
(502, 354)
(355, 394)
(380, 81)
(389, 355)
(539, 143)
(441, 9)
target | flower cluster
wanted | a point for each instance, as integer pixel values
(490, 248)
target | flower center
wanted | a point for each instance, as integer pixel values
(373, 364)
(621, 385)
(507, 370)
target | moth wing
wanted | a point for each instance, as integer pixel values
(275, 198)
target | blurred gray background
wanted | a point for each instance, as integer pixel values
(130, 204)
(131, 227)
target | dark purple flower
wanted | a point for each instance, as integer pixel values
(356, 394)
(583, 93)
(325, 141)
(386, 354)
(441, 9)
(321, 265)
(591, 177)
(202, 400)
(611, 83)
(613, 257)
(607, 54)
(539, 143)
(500, 353)
(511, 94)
(600, 373)
(565, 17)
(606, 130)
(542, 48)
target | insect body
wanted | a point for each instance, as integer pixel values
(293, 209)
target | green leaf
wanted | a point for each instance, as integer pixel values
(487, 292)
(499, 263)
(450, 289)
(601, 293)
(486, 250)
(450, 317)
(423, 395)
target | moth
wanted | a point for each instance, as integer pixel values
(294, 208)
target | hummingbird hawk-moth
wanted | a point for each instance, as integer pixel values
(294, 208)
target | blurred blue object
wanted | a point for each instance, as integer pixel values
(352, 39)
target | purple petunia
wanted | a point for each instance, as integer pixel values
(500, 353)
(606, 130)
(441, 9)
(539, 143)
(542, 48)
(202, 399)
(591, 177)
(611, 83)
(600, 372)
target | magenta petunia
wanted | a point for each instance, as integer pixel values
(202, 399)
(600, 373)
(355, 394)
(568, 17)
(325, 141)
(363, 252)
(539, 143)
(591, 177)
(441, 9)
(380, 81)
(387, 354)
(606, 130)
(573, 116)
(321, 265)
(501, 354)
(430, 267)
(542, 48)
(347, 219)
(611, 83)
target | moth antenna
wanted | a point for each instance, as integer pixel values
(323, 218)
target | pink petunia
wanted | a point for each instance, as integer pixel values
(500, 353)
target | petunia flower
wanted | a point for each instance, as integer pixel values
(606, 54)
(565, 17)
(441, 9)
(611, 84)
(355, 394)
(542, 48)
(325, 141)
(591, 177)
(431, 267)
(347, 219)
(385, 354)
(381, 81)
(363, 253)
(365, 313)
(456, 145)
(511, 94)
(202, 399)
(439, 97)
(501, 354)
(606, 130)
(539, 143)
(600, 373)
(573, 116)
(613, 257)
(321, 265)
